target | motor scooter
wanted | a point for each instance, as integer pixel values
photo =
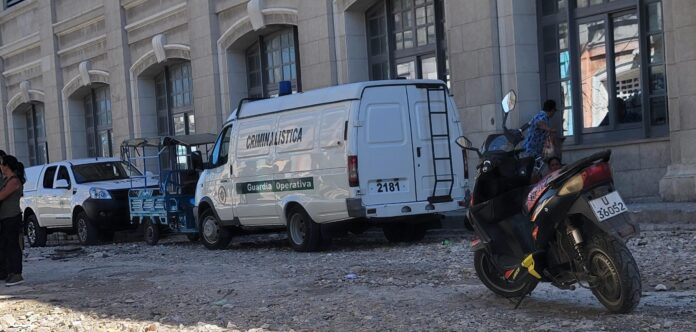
(574, 216)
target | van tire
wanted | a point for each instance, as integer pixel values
(213, 235)
(400, 232)
(36, 235)
(304, 234)
(418, 233)
(87, 231)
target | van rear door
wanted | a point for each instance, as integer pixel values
(434, 128)
(385, 148)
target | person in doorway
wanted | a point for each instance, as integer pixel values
(11, 220)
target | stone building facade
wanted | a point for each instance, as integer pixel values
(80, 76)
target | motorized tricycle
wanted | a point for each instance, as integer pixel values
(164, 204)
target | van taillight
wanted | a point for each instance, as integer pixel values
(596, 174)
(353, 179)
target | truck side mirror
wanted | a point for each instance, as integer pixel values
(61, 184)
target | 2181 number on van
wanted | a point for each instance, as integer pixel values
(388, 186)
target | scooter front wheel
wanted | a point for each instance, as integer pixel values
(496, 282)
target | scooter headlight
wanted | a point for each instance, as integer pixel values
(573, 185)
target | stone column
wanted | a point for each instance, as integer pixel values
(204, 32)
(351, 40)
(4, 137)
(316, 64)
(52, 82)
(679, 183)
(473, 47)
(519, 58)
(119, 76)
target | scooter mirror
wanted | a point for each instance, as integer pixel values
(509, 101)
(463, 142)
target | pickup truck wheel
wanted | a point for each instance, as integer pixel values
(303, 233)
(35, 233)
(213, 234)
(107, 236)
(87, 232)
(151, 232)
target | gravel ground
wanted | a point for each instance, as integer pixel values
(362, 283)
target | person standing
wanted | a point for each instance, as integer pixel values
(539, 130)
(11, 220)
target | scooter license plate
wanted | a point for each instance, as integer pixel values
(608, 206)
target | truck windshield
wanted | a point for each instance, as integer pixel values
(106, 171)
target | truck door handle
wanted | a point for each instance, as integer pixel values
(224, 181)
(231, 169)
(418, 154)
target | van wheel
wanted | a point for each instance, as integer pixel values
(36, 235)
(399, 232)
(418, 233)
(303, 233)
(213, 234)
(87, 232)
(151, 232)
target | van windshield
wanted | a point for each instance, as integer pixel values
(106, 171)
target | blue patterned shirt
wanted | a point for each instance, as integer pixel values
(534, 142)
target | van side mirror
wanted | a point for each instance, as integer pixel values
(197, 161)
(61, 184)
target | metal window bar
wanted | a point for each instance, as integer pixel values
(443, 198)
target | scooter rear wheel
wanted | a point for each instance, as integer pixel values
(496, 282)
(618, 286)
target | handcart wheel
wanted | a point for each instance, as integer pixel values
(152, 232)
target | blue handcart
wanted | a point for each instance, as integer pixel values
(172, 165)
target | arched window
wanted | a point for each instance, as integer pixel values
(36, 134)
(97, 104)
(271, 59)
(174, 100)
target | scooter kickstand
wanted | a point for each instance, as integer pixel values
(517, 305)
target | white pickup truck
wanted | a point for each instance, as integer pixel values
(87, 197)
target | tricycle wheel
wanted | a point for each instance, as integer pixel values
(194, 237)
(152, 232)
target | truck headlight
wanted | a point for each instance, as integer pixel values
(99, 193)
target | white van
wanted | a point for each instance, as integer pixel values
(377, 152)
